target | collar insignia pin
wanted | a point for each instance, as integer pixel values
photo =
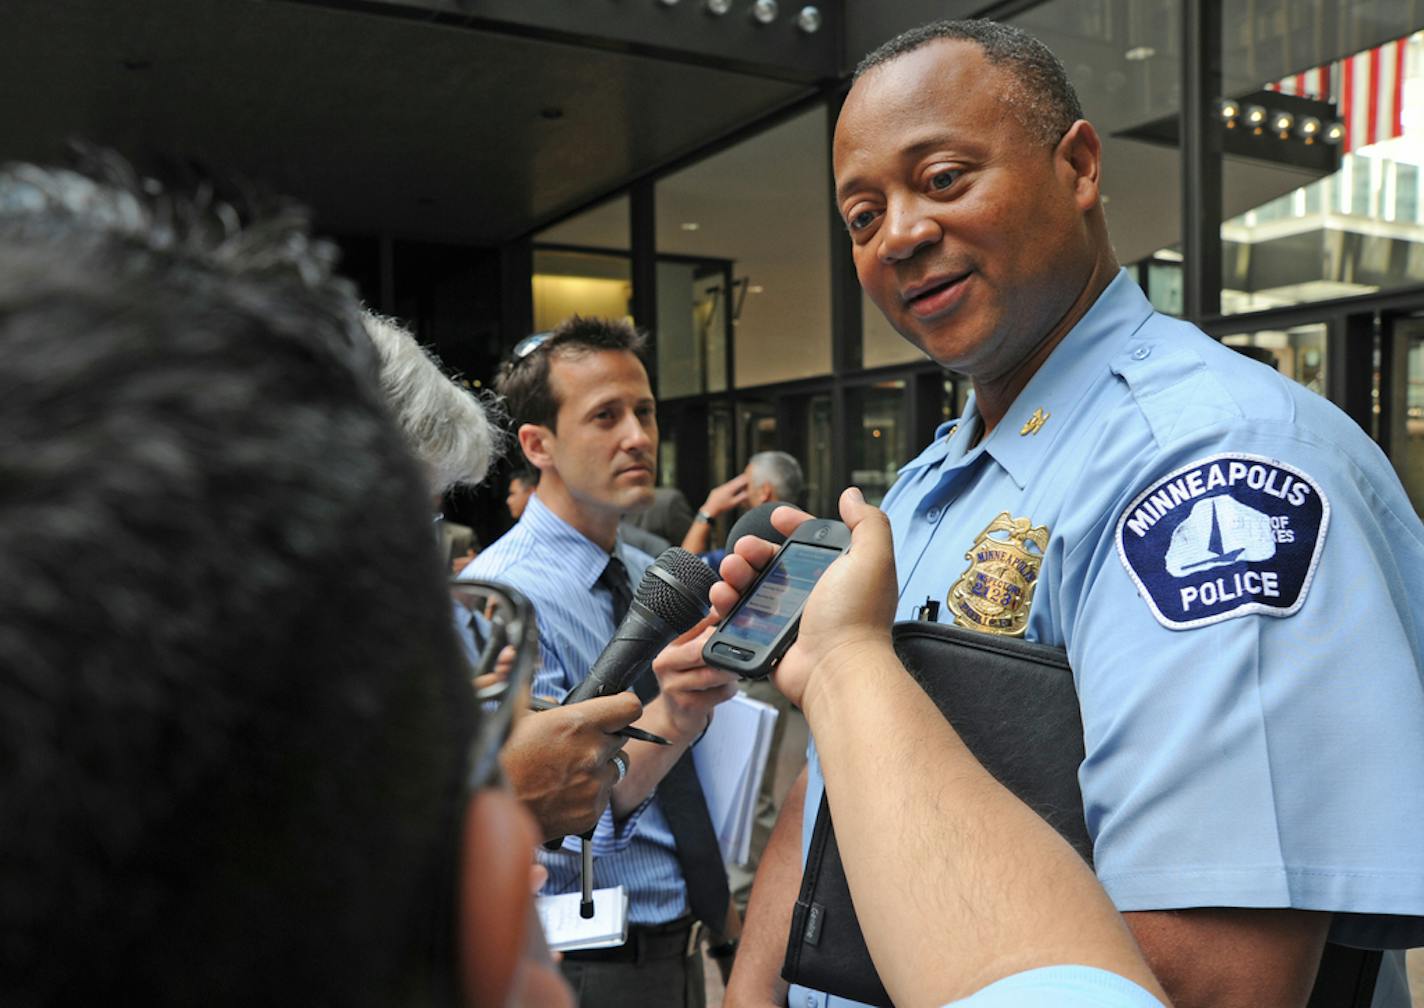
(1035, 423)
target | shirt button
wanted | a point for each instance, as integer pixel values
(932, 515)
(810, 1001)
(1141, 353)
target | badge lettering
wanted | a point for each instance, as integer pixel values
(1223, 537)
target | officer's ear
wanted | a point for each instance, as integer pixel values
(1078, 158)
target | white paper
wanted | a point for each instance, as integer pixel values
(566, 931)
(731, 760)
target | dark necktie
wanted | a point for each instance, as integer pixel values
(614, 580)
(680, 793)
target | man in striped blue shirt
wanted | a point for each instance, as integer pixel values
(586, 419)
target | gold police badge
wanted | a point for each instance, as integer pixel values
(995, 593)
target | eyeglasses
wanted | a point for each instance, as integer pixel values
(529, 344)
(490, 618)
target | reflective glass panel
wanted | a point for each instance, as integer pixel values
(694, 298)
(1407, 408)
(1324, 143)
(762, 206)
(1297, 353)
(878, 429)
(583, 283)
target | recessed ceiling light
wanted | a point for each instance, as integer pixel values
(690, 225)
(756, 289)
(809, 20)
(718, 7)
(1139, 53)
(765, 11)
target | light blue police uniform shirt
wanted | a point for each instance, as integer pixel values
(1236, 574)
(558, 567)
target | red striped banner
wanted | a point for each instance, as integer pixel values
(1368, 87)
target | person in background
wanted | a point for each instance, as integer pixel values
(768, 476)
(584, 413)
(521, 486)
(669, 516)
(560, 763)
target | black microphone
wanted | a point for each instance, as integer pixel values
(669, 601)
(757, 522)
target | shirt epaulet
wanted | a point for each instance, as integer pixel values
(1184, 381)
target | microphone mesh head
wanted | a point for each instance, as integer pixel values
(757, 522)
(679, 609)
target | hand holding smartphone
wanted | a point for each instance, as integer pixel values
(764, 624)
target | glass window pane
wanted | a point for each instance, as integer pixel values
(1164, 284)
(1297, 353)
(816, 461)
(583, 283)
(878, 426)
(605, 226)
(693, 307)
(1124, 60)
(1307, 219)
(1407, 406)
(762, 206)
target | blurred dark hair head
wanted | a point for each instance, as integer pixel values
(230, 757)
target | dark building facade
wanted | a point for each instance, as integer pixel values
(492, 165)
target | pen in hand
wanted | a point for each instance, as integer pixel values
(540, 704)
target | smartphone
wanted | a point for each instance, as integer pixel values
(753, 636)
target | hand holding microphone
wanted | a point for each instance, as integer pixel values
(671, 600)
(559, 763)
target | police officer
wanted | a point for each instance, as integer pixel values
(1230, 562)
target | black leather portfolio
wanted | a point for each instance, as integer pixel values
(1016, 707)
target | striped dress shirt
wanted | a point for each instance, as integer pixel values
(557, 567)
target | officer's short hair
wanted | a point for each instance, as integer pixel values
(230, 757)
(1043, 99)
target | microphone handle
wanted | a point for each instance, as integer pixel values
(636, 642)
(631, 652)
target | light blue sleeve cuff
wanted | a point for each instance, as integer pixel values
(1061, 987)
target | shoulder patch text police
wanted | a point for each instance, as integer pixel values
(1226, 536)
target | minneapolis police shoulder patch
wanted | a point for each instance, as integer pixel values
(1226, 536)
